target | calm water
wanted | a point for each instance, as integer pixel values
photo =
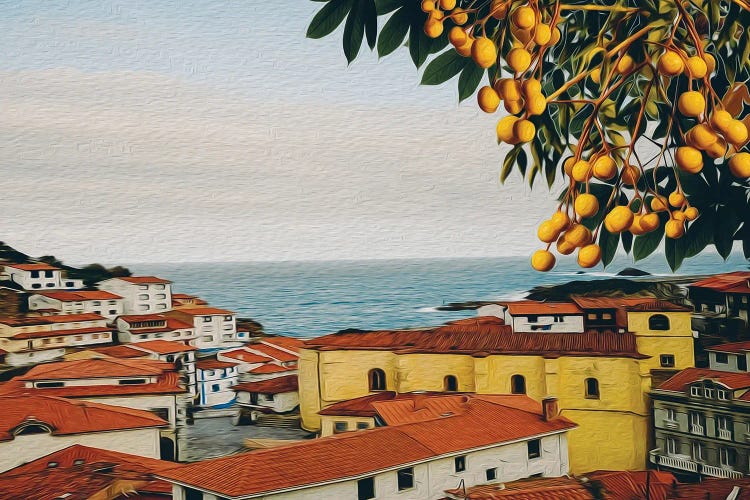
(307, 299)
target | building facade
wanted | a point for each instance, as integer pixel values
(215, 381)
(141, 294)
(133, 328)
(98, 302)
(39, 277)
(214, 328)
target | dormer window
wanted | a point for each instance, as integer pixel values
(131, 381)
(695, 390)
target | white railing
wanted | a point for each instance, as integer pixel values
(696, 429)
(725, 434)
(670, 424)
(677, 463)
(710, 470)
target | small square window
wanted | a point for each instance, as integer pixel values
(695, 391)
(206, 319)
(459, 463)
(721, 357)
(362, 425)
(214, 387)
(366, 488)
(534, 449)
(491, 474)
(405, 478)
(339, 427)
(667, 360)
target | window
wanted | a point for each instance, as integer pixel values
(95, 336)
(339, 427)
(533, 448)
(46, 341)
(721, 357)
(727, 457)
(131, 381)
(206, 319)
(697, 451)
(708, 392)
(405, 478)
(366, 488)
(144, 336)
(517, 384)
(176, 334)
(459, 463)
(671, 414)
(161, 306)
(142, 287)
(49, 384)
(695, 390)
(36, 285)
(667, 360)
(376, 379)
(97, 312)
(113, 311)
(491, 474)
(69, 284)
(159, 287)
(207, 338)
(47, 274)
(143, 296)
(591, 316)
(671, 446)
(658, 322)
(532, 319)
(161, 296)
(112, 302)
(50, 285)
(607, 316)
(143, 307)
(450, 383)
(592, 388)
(697, 423)
(227, 318)
(215, 387)
(724, 427)
(34, 274)
(742, 363)
(362, 425)
(191, 494)
(78, 338)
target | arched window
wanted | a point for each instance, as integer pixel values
(592, 388)
(658, 322)
(377, 379)
(517, 384)
(32, 427)
(450, 383)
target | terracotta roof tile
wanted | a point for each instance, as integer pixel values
(548, 488)
(245, 356)
(96, 368)
(162, 346)
(136, 318)
(358, 407)
(73, 455)
(482, 336)
(204, 311)
(712, 489)
(684, 378)
(272, 368)
(53, 319)
(626, 485)
(61, 333)
(79, 295)
(143, 279)
(119, 351)
(524, 307)
(733, 347)
(33, 267)
(726, 281)
(290, 343)
(364, 452)
(213, 364)
(168, 383)
(183, 296)
(276, 385)
(272, 352)
(69, 417)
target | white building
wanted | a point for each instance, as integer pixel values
(215, 380)
(141, 294)
(39, 277)
(214, 328)
(133, 328)
(99, 302)
(478, 442)
(277, 395)
(183, 357)
(32, 426)
(528, 316)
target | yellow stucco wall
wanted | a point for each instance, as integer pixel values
(327, 423)
(309, 391)
(678, 340)
(427, 372)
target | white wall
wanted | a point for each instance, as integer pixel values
(224, 378)
(25, 448)
(109, 308)
(140, 298)
(210, 334)
(143, 402)
(544, 323)
(729, 366)
(281, 403)
(33, 357)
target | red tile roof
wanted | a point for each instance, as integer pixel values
(136, 318)
(548, 488)
(483, 336)
(183, 296)
(525, 307)
(69, 417)
(204, 311)
(353, 454)
(725, 282)
(289, 343)
(683, 379)
(167, 383)
(77, 296)
(629, 304)
(733, 347)
(213, 364)
(33, 267)
(97, 368)
(245, 356)
(627, 485)
(272, 368)
(53, 319)
(61, 333)
(162, 346)
(712, 489)
(358, 407)
(143, 279)
(73, 455)
(272, 352)
(288, 383)
(119, 351)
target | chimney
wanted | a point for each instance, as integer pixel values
(419, 400)
(550, 409)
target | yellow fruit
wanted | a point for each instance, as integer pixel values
(513, 107)
(691, 213)
(691, 103)
(484, 52)
(428, 6)
(457, 36)
(739, 165)
(578, 235)
(499, 9)
(460, 17)
(581, 171)
(589, 256)
(523, 36)
(568, 166)
(564, 246)
(465, 49)
(619, 219)
(635, 227)
(659, 204)
(488, 99)
(560, 220)
(689, 159)
(696, 67)
(701, 136)
(519, 59)
(679, 215)
(626, 64)
(630, 175)
(556, 35)
(433, 28)
(524, 17)
(676, 199)
(670, 63)
(586, 205)
(524, 131)
(508, 89)
(596, 75)
(736, 133)
(674, 229)
(532, 87)
(649, 222)
(547, 232)
(505, 129)
(717, 149)
(710, 62)
(542, 260)
(542, 35)
(604, 168)
(721, 120)
(447, 4)
(536, 104)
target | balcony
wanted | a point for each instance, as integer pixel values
(696, 429)
(710, 470)
(670, 424)
(674, 462)
(725, 434)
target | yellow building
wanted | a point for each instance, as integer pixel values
(601, 375)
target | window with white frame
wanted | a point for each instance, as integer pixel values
(671, 446)
(161, 296)
(722, 394)
(159, 287)
(724, 427)
(697, 423)
(142, 287)
(697, 451)
(708, 392)
(671, 415)
(695, 390)
(207, 319)
(727, 457)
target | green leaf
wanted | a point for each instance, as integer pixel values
(393, 33)
(469, 80)
(328, 18)
(644, 245)
(699, 235)
(608, 242)
(354, 30)
(386, 6)
(371, 22)
(509, 161)
(419, 43)
(674, 251)
(443, 68)
(627, 241)
(726, 226)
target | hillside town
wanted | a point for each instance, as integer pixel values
(596, 396)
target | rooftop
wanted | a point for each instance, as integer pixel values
(272, 368)
(213, 364)
(61, 333)
(681, 381)
(143, 279)
(64, 417)
(96, 368)
(272, 352)
(525, 307)
(277, 385)
(167, 383)
(119, 351)
(162, 346)
(77, 296)
(736, 282)
(246, 356)
(482, 336)
(290, 343)
(54, 319)
(733, 347)
(203, 311)
(78, 454)
(33, 267)
(547, 488)
(342, 456)
(629, 304)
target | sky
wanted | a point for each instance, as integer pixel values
(155, 131)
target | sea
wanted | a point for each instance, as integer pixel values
(313, 298)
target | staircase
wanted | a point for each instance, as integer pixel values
(279, 421)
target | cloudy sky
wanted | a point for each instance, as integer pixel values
(215, 131)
